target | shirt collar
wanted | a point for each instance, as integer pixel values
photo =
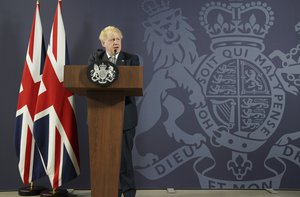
(108, 56)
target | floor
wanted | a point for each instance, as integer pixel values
(187, 193)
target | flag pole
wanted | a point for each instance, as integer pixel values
(30, 190)
(55, 192)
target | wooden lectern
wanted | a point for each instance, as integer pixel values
(105, 121)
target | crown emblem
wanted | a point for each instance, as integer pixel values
(152, 7)
(102, 66)
(237, 23)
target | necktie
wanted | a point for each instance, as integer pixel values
(112, 59)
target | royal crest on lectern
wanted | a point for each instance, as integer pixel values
(103, 74)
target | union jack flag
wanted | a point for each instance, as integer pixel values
(30, 163)
(55, 127)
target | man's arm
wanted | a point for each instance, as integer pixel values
(135, 60)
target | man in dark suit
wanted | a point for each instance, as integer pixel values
(110, 38)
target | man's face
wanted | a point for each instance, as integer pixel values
(112, 43)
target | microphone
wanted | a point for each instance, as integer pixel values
(114, 56)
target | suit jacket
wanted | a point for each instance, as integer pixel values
(130, 113)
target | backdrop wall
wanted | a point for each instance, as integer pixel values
(221, 98)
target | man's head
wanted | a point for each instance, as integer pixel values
(110, 38)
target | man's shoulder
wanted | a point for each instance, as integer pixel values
(129, 58)
(99, 52)
(96, 56)
(128, 55)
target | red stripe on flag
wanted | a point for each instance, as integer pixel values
(69, 123)
(30, 91)
(57, 159)
(27, 156)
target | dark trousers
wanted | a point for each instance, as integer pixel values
(127, 184)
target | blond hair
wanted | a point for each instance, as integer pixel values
(108, 29)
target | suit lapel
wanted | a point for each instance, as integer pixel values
(121, 59)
